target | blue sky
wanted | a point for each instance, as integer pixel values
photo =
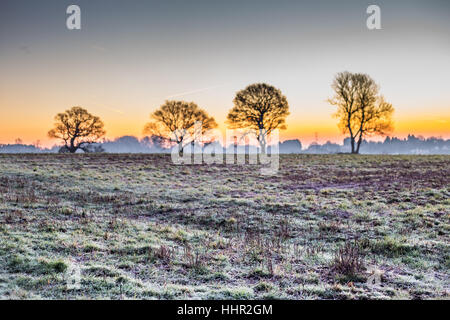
(130, 56)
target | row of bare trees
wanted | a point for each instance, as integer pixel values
(260, 108)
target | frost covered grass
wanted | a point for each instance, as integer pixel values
(140, 227)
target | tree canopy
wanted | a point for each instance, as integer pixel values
(260, 108)
(78, 129)
(178, 122)
(360, 109)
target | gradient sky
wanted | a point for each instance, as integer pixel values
(130, 56)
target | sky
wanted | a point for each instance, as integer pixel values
(131, 56)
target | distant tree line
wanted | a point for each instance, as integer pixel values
(409, 145)
(130, 144)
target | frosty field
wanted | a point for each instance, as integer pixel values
(139, 227)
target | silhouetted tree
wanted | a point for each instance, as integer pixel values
(261, 108)
(78, 129)
(361, 110)
(175, 122)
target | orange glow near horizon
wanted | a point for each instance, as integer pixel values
(30, 116)
(34, 127)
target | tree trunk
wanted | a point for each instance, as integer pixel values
(262, 141)
(263, 147)
(352, 142)
(361, 130)
(352, 138)
(359, 144)
(72, 148)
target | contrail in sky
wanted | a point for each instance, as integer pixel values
(193, 91)
(114, 110)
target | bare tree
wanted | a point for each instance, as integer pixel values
(260, 108)
(78, 129)
(360, 109)
(175, 123)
